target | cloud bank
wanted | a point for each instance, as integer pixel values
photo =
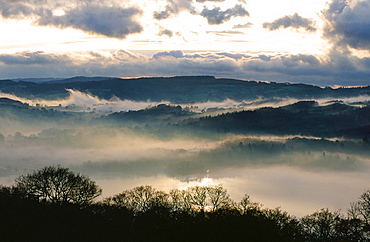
(336, 68)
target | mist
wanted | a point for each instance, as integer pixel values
(293, 173)
(80, 101)
(297, 173)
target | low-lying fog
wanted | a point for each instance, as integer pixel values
(79, 101)
(299, 174)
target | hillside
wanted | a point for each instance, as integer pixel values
(181, 89)
(302, 118)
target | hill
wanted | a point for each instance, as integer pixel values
(302, 118)
(179, 89)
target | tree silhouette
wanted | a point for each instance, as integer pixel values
(55, 184)
(219, 198)
(139, 199)
(360, 210)
(180, 200)
(198, 197)
(321, 225)
(147, 214)
(2, 138)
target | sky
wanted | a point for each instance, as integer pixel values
(318, 42)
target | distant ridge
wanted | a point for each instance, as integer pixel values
(37, 80)
(80, 79)
(62, 80)
(177, 89)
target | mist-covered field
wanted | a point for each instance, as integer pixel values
(124, 143)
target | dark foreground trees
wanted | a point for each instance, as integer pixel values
(56, 184)
(147, 214)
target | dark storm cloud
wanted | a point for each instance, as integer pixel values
(347, 23)
(108, 21)
(217, 16)
(90, 17)
(291, 21)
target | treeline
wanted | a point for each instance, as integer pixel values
(335, 120)
(179, 89)
(56, 204)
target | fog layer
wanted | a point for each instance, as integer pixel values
(300, 174)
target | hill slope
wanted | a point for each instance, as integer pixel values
(184, 89)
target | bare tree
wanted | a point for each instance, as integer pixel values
(246, 206)
(180, 200)
(321, 225)
(361, 210)
(218, 197)
(139, 199)
(198, 197)
(56, 184)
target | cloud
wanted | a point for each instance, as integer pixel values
(225, 32)
(165, 32)
(291, 21)
(173, 8)
(122, 56)
(32, 58)
(107, 21)
(335, 68)
(174, 53)
(216, 16)
(347, 24)
(91, 17)
(15, 10)
(203, 1)
(243, 26)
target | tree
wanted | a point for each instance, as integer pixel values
(288, 226)
(139, 199)
(321, 225)
(59, 185)
(2, 138)
(361, 210)
(180, 200)
(247, 207)
(198, 197)
(219, 198)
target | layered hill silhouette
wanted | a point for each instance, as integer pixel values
(180, 89)
(301, 118)
(335, 119)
